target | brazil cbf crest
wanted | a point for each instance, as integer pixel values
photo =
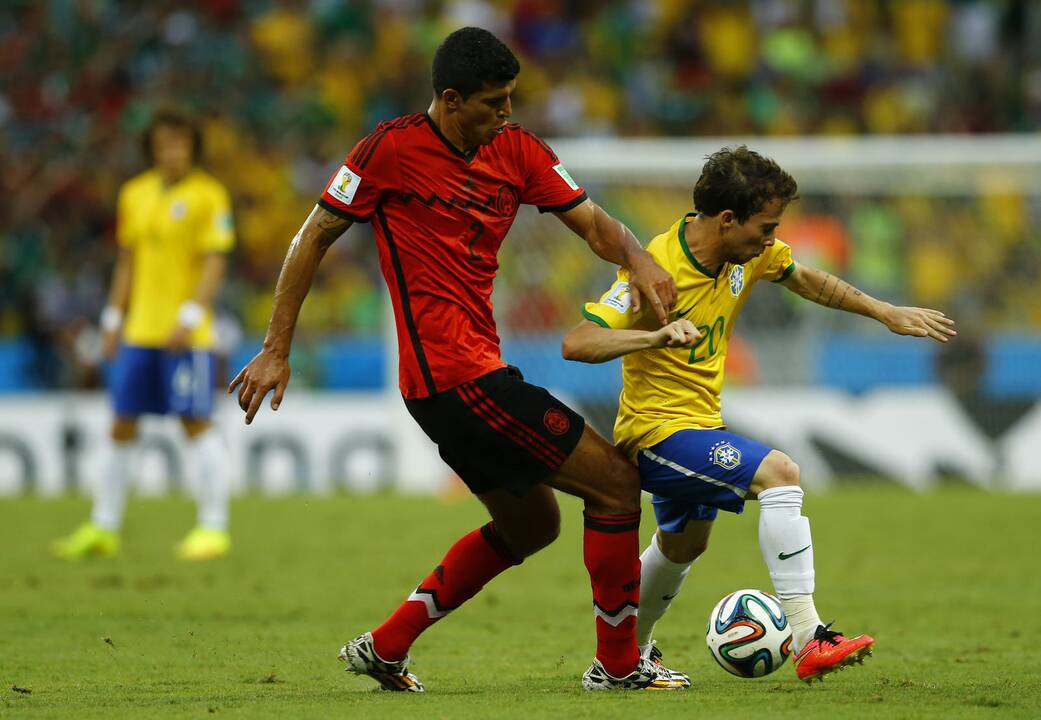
(725, 455)
(737, 280)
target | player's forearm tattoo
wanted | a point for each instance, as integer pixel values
(834, 288)
(824, 284)
(844, 291)
(840, 303)
(828, 294)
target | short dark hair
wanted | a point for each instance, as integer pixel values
(469, 58)
(172, 117)
(741, 180)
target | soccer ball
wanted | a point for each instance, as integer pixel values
(748, 633)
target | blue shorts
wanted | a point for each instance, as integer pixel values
(157, 381)
(694, 473)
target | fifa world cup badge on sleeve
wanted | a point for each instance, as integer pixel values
(619, 298)
(345, 185)
(566, 176)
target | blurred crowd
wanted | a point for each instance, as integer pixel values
(285, 88)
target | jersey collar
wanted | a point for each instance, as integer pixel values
(467, 157)
(690, 255)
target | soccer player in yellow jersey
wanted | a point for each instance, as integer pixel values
(174, 230)
(669, 419)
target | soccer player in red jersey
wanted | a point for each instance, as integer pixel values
(442, 189)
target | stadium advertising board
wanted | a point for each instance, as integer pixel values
(364, 442)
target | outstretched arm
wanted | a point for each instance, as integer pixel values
(592, 343)
(825, 289)
(269, 369)
(614, 242)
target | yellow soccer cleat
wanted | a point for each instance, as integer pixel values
(204, 544)
(88, 540)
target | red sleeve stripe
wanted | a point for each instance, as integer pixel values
(496, 416)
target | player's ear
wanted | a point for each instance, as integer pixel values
(451, 99)
(727, 219)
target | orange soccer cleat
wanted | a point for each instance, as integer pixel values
(829, 651)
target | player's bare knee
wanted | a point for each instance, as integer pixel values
(787, 471)
(777, 470)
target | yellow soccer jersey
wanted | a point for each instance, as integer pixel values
(670, 389)
(169, 230)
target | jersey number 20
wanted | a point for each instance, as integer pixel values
(710, 336)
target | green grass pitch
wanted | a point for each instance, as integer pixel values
(948, 583)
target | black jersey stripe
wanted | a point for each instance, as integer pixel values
(517, 127)
(371, 149)
(406, 307)
(397, 124)
(370, 141)
(366, 142)
(543, 145)
(412, 120)
(361, 156)
(359, 150)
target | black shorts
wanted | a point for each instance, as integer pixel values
(498, 431)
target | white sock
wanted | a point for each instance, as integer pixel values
(660, 581)
(110, 493)
(784, 539)
(802, 619)
(208, 476)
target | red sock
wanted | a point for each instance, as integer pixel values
(612, 555)
(475, 559)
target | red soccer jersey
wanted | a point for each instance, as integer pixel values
(440, 217)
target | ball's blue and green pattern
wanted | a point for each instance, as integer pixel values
(748, 633)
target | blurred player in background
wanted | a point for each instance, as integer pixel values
(669, 419)
(174, 229)
(442, 189)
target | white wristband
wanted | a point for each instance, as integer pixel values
(191, 314)
(111, 318)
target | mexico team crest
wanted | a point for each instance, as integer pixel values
(726, 455)
(737, 280)
(556, 421)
